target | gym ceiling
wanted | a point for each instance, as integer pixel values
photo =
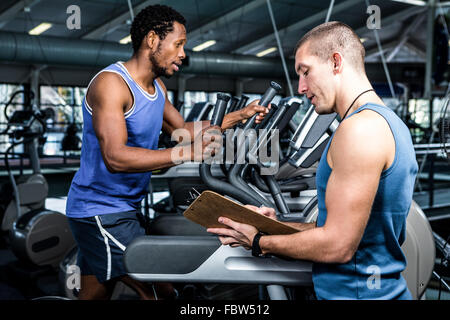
(238, 27)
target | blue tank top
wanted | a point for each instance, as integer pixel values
(379, 255)
(95, 190)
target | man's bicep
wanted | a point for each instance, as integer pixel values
(172, 118)
(107, 102)
(350, 192)
(109, 125)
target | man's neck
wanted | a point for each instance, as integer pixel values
(140, 69)
(347, 95)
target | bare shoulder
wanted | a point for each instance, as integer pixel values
(107, 87)
(366, 136)
(367, 127)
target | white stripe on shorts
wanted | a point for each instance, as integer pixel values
(109, 235)
(108, 249)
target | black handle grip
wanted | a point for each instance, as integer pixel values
(241, 103)
(219, 109)
(233, 104)
(267, 118)
(268, 96)
(270, 93)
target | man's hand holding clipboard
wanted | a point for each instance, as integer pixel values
(236, 225)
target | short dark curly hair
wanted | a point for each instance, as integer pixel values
(159, 18)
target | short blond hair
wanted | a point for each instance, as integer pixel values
(334, 36)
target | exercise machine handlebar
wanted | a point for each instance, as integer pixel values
(205, 169)
(219, 109)
(268, 96)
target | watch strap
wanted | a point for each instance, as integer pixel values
(256, 249)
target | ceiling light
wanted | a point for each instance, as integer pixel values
(44, 26)
(265, 52)
(204, 45)
(125, 40)
(413, 2)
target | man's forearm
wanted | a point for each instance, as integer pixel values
(133, 159)
(301, 226)
(231, 119)
(312, 244)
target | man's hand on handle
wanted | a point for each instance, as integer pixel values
(210, 140)
(253, 108)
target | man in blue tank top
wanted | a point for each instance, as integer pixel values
(364, 180)
(124, 110)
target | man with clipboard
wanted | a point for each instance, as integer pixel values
(364, 180)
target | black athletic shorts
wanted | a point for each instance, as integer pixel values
(102, 240)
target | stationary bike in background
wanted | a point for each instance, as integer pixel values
(39, 238)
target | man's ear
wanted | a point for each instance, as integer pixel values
(151, 38)
(337, 62)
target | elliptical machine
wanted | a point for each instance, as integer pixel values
(186, 258)
(200, 259)
(36, 235)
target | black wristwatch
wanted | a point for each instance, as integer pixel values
(256, 249)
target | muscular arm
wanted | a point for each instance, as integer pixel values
(358, 155)
(109, 97)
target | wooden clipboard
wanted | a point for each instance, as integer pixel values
(209, 206)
